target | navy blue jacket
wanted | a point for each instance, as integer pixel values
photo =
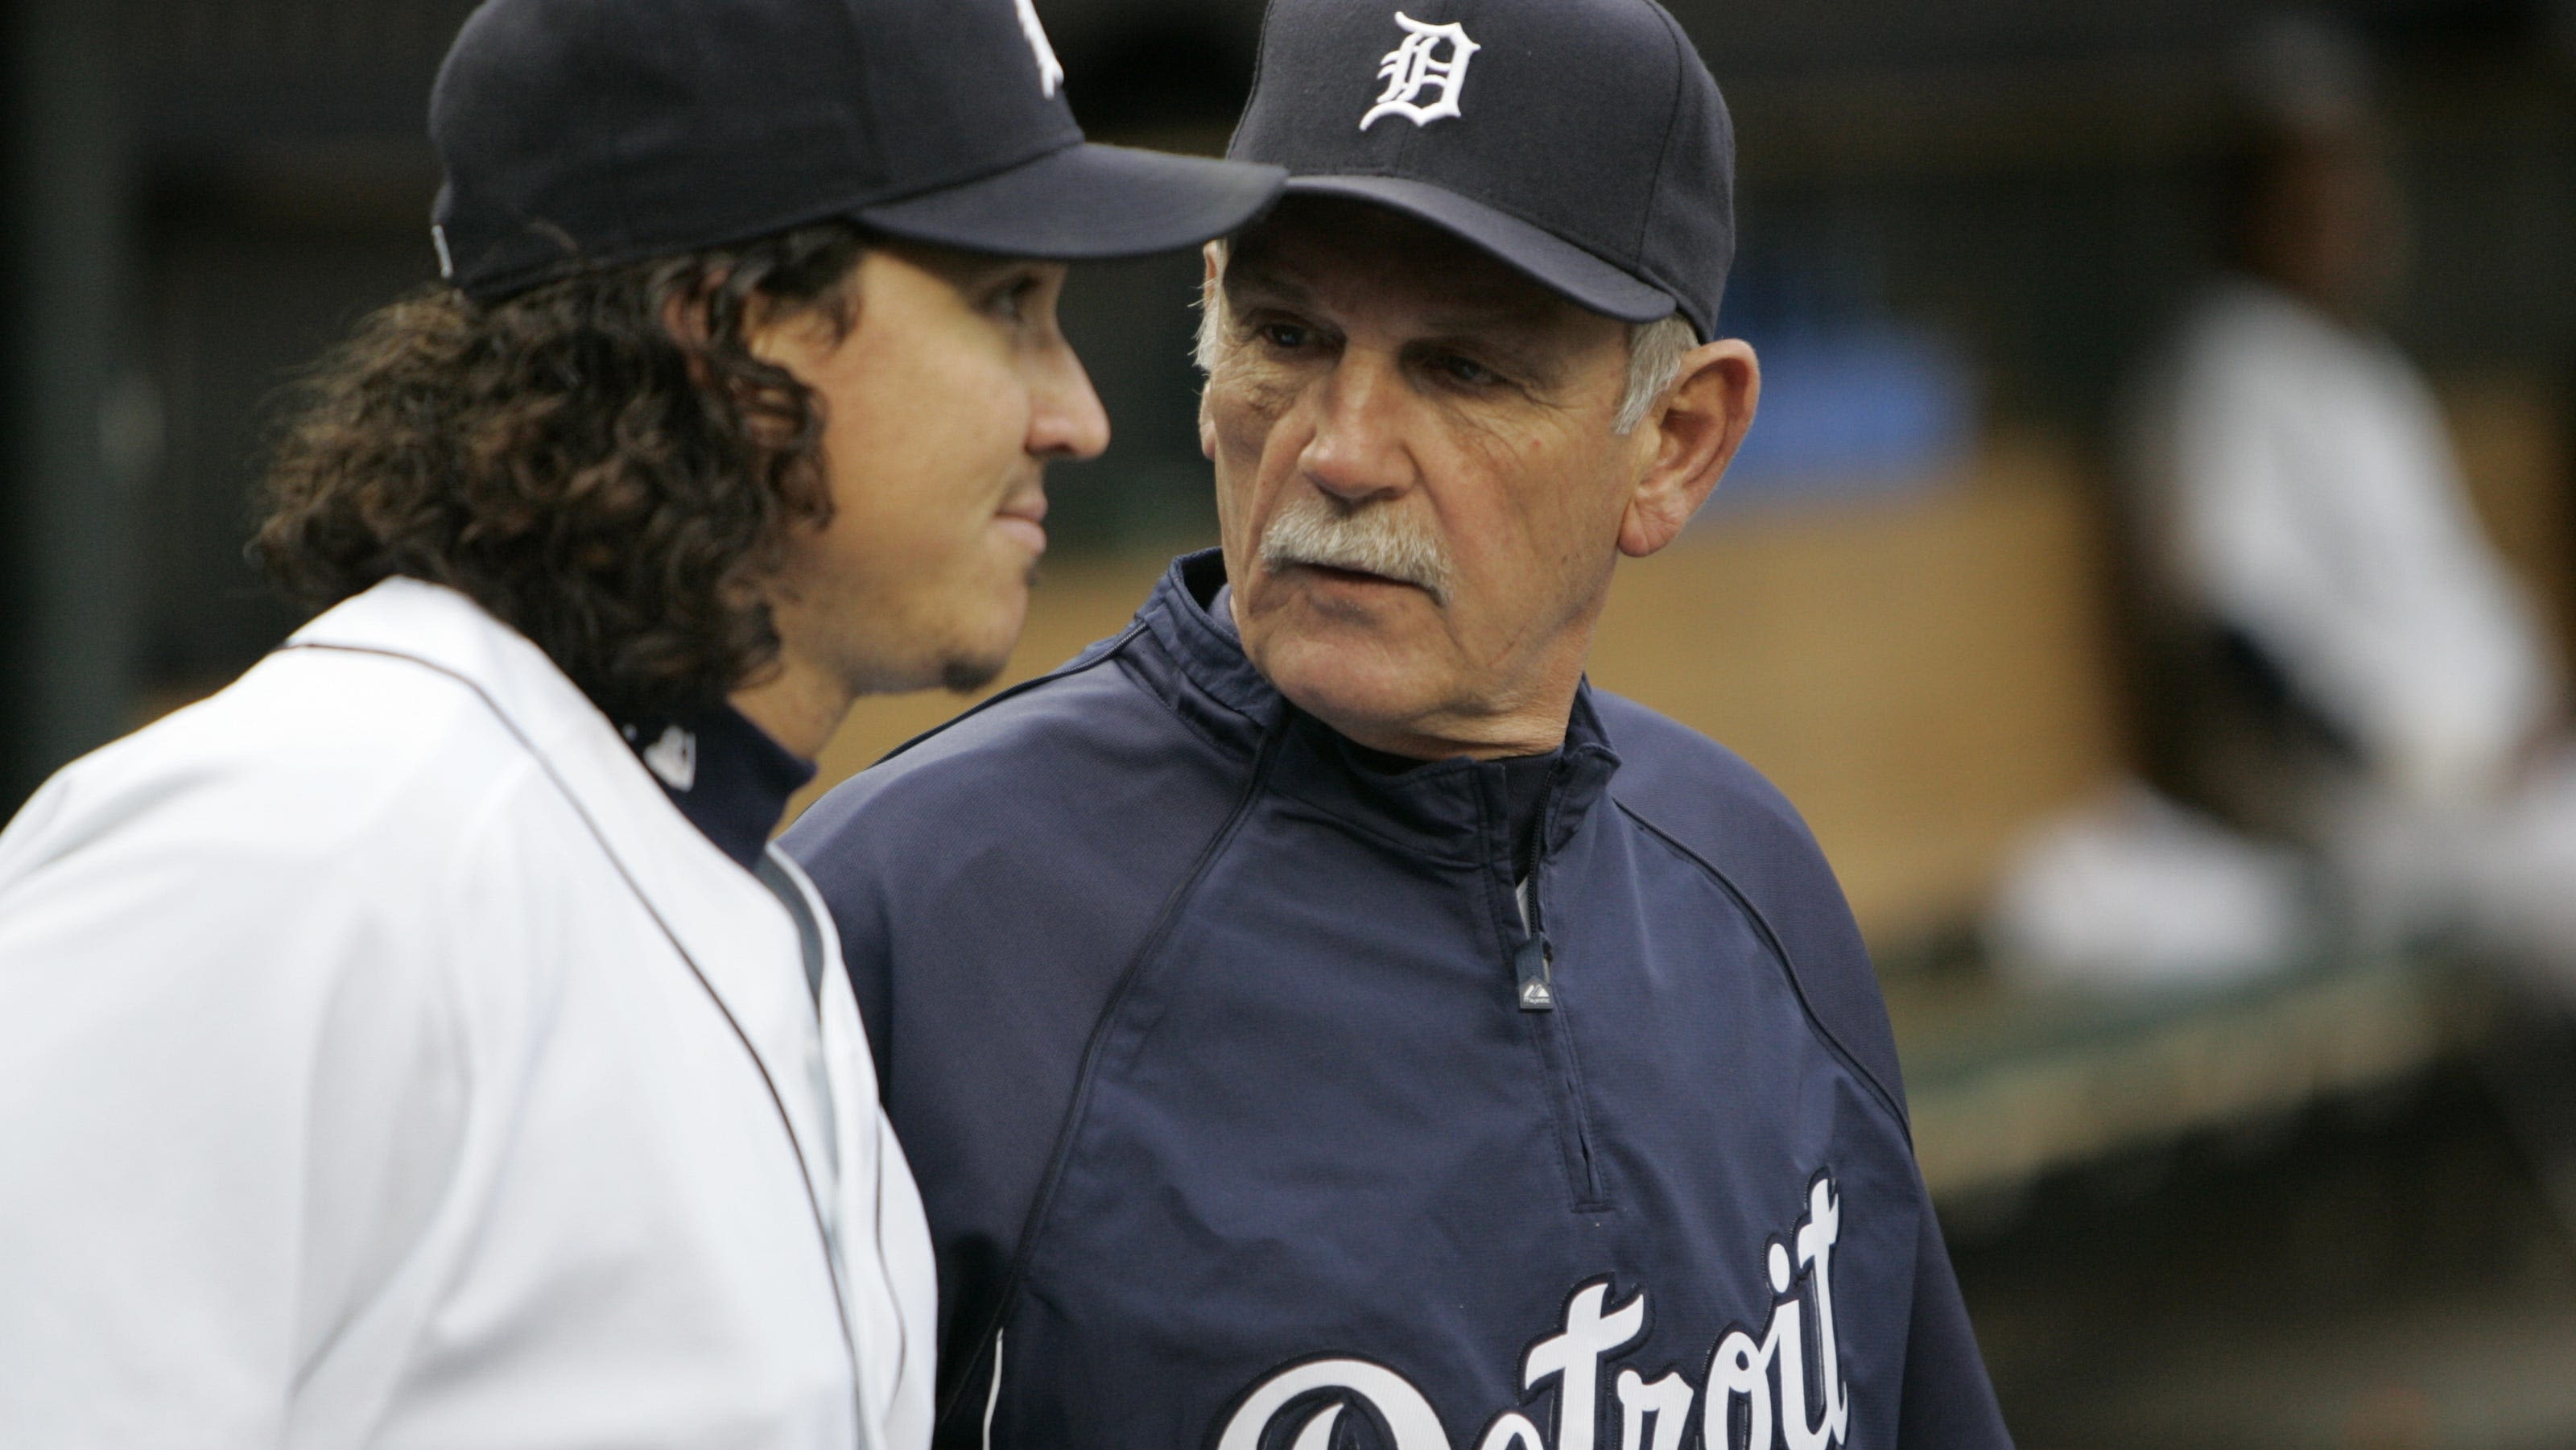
(1216, 1055)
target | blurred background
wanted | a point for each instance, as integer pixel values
(2225, 1159)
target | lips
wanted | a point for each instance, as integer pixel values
(1024, 518)
(1352, 576)
(1029, 502)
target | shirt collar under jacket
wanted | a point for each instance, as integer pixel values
(1454, 810)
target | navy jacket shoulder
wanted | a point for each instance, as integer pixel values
(1708, 801)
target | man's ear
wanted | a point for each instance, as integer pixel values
(770, 332)
(1213, 255)
(1689, 439)
(685, 317)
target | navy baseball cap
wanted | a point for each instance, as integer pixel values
(1581, 141)
(582, 133)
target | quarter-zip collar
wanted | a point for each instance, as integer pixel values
(1455, 811)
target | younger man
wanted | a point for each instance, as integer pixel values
(416, 1045)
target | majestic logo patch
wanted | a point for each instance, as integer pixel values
(1758, 1394)
(674, 757)
(1431, 57)
(1050, 71)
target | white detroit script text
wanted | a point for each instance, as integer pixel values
(1767, 1377)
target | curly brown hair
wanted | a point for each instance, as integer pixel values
(619, 493)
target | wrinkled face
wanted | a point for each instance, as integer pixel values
(1419, 482)
(942, 406)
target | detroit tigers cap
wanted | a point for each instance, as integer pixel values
(582, 133)
(1581, 141)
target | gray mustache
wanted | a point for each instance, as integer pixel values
(1371, 540)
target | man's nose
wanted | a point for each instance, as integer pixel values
(1065, 416)
(1357, 449)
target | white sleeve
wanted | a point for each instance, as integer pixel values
(226, 1094)
(2376, 596)
(2483, 673)
(2250, 547)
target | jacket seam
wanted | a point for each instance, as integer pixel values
(1181, 717)
(1098, 655)
(1879, 1091)
(1060, 1156)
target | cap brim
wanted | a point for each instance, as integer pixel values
(1086, 202)
(1551, 261)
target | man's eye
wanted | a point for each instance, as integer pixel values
(1286, 335)
(1011, 300)
(1466, 370)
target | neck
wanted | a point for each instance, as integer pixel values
(1534, 731)
(799, 707)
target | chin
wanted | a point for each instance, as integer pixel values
(965, 675)
(1356, 690)
(957, 651)
(973, 660)
(960, 668)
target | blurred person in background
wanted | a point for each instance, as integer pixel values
(2346, 660)
(418, 1043)
(1316, 1015)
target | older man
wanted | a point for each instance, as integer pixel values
(1315, 1015)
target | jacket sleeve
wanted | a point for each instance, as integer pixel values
(228, 1098)
(1949, 1403)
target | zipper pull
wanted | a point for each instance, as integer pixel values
(1530, 963)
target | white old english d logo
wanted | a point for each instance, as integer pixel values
(1421, 64)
